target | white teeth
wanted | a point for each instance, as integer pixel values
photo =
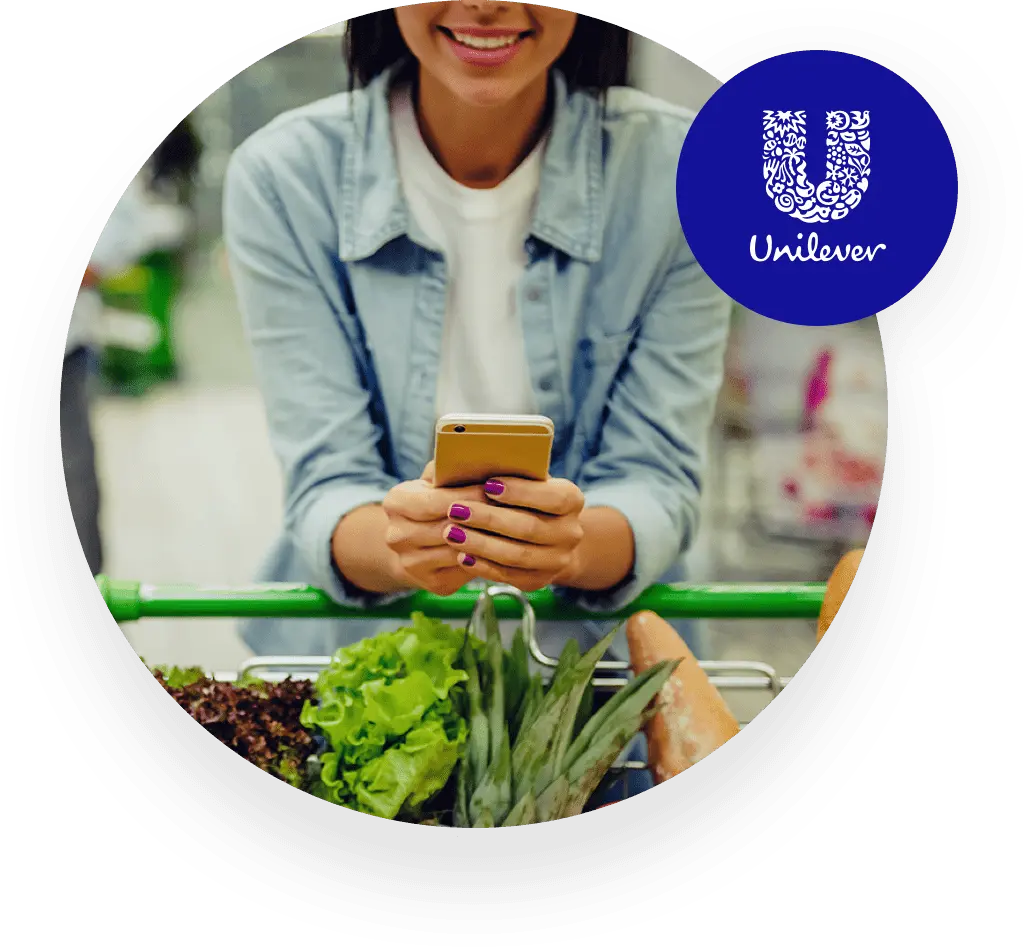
(485, 42)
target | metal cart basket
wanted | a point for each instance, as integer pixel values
(132, 601)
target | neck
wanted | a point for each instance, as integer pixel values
(480, 146)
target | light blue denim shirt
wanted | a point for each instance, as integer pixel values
(344, 300)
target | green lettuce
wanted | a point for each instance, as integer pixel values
(391, 711)
(175, 677)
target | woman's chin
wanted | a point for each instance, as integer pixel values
(485, 93)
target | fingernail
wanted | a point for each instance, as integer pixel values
(459, 512)
(455, 534)
(494, 488)
(467, 559)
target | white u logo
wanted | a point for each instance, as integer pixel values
(847, 165)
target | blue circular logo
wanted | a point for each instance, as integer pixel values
(816, 188)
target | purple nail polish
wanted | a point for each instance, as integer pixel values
(459, 512)
(494, 488)
(456, 535)
(468, 559)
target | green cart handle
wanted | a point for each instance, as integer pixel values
(130, 601)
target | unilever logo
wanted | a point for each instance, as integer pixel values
(847, 167)
(814, 234)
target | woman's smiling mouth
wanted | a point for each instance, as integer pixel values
(484, 47)
(486, 42)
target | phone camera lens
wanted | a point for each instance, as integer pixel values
(460, 428)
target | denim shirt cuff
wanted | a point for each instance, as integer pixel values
(314, 536)
(656, 543)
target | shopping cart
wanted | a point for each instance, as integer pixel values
(132, 601)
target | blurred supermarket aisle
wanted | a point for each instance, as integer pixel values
(191, 491)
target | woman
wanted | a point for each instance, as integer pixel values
(487, 224)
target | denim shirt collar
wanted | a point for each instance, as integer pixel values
(569, 203)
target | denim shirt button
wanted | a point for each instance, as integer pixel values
(546, 383)
(534, 294)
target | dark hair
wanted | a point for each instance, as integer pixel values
(596, 58)
(177, 156)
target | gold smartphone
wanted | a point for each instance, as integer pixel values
(469, 449)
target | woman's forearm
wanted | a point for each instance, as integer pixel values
(361, 554)
(606, 553)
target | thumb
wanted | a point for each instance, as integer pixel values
(428, 473)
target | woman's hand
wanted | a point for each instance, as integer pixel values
(520, 532)
(527, 534)
(417, 516)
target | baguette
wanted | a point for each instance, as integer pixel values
(691, 719)
(836, 589)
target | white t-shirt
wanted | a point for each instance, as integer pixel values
(482, 233)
